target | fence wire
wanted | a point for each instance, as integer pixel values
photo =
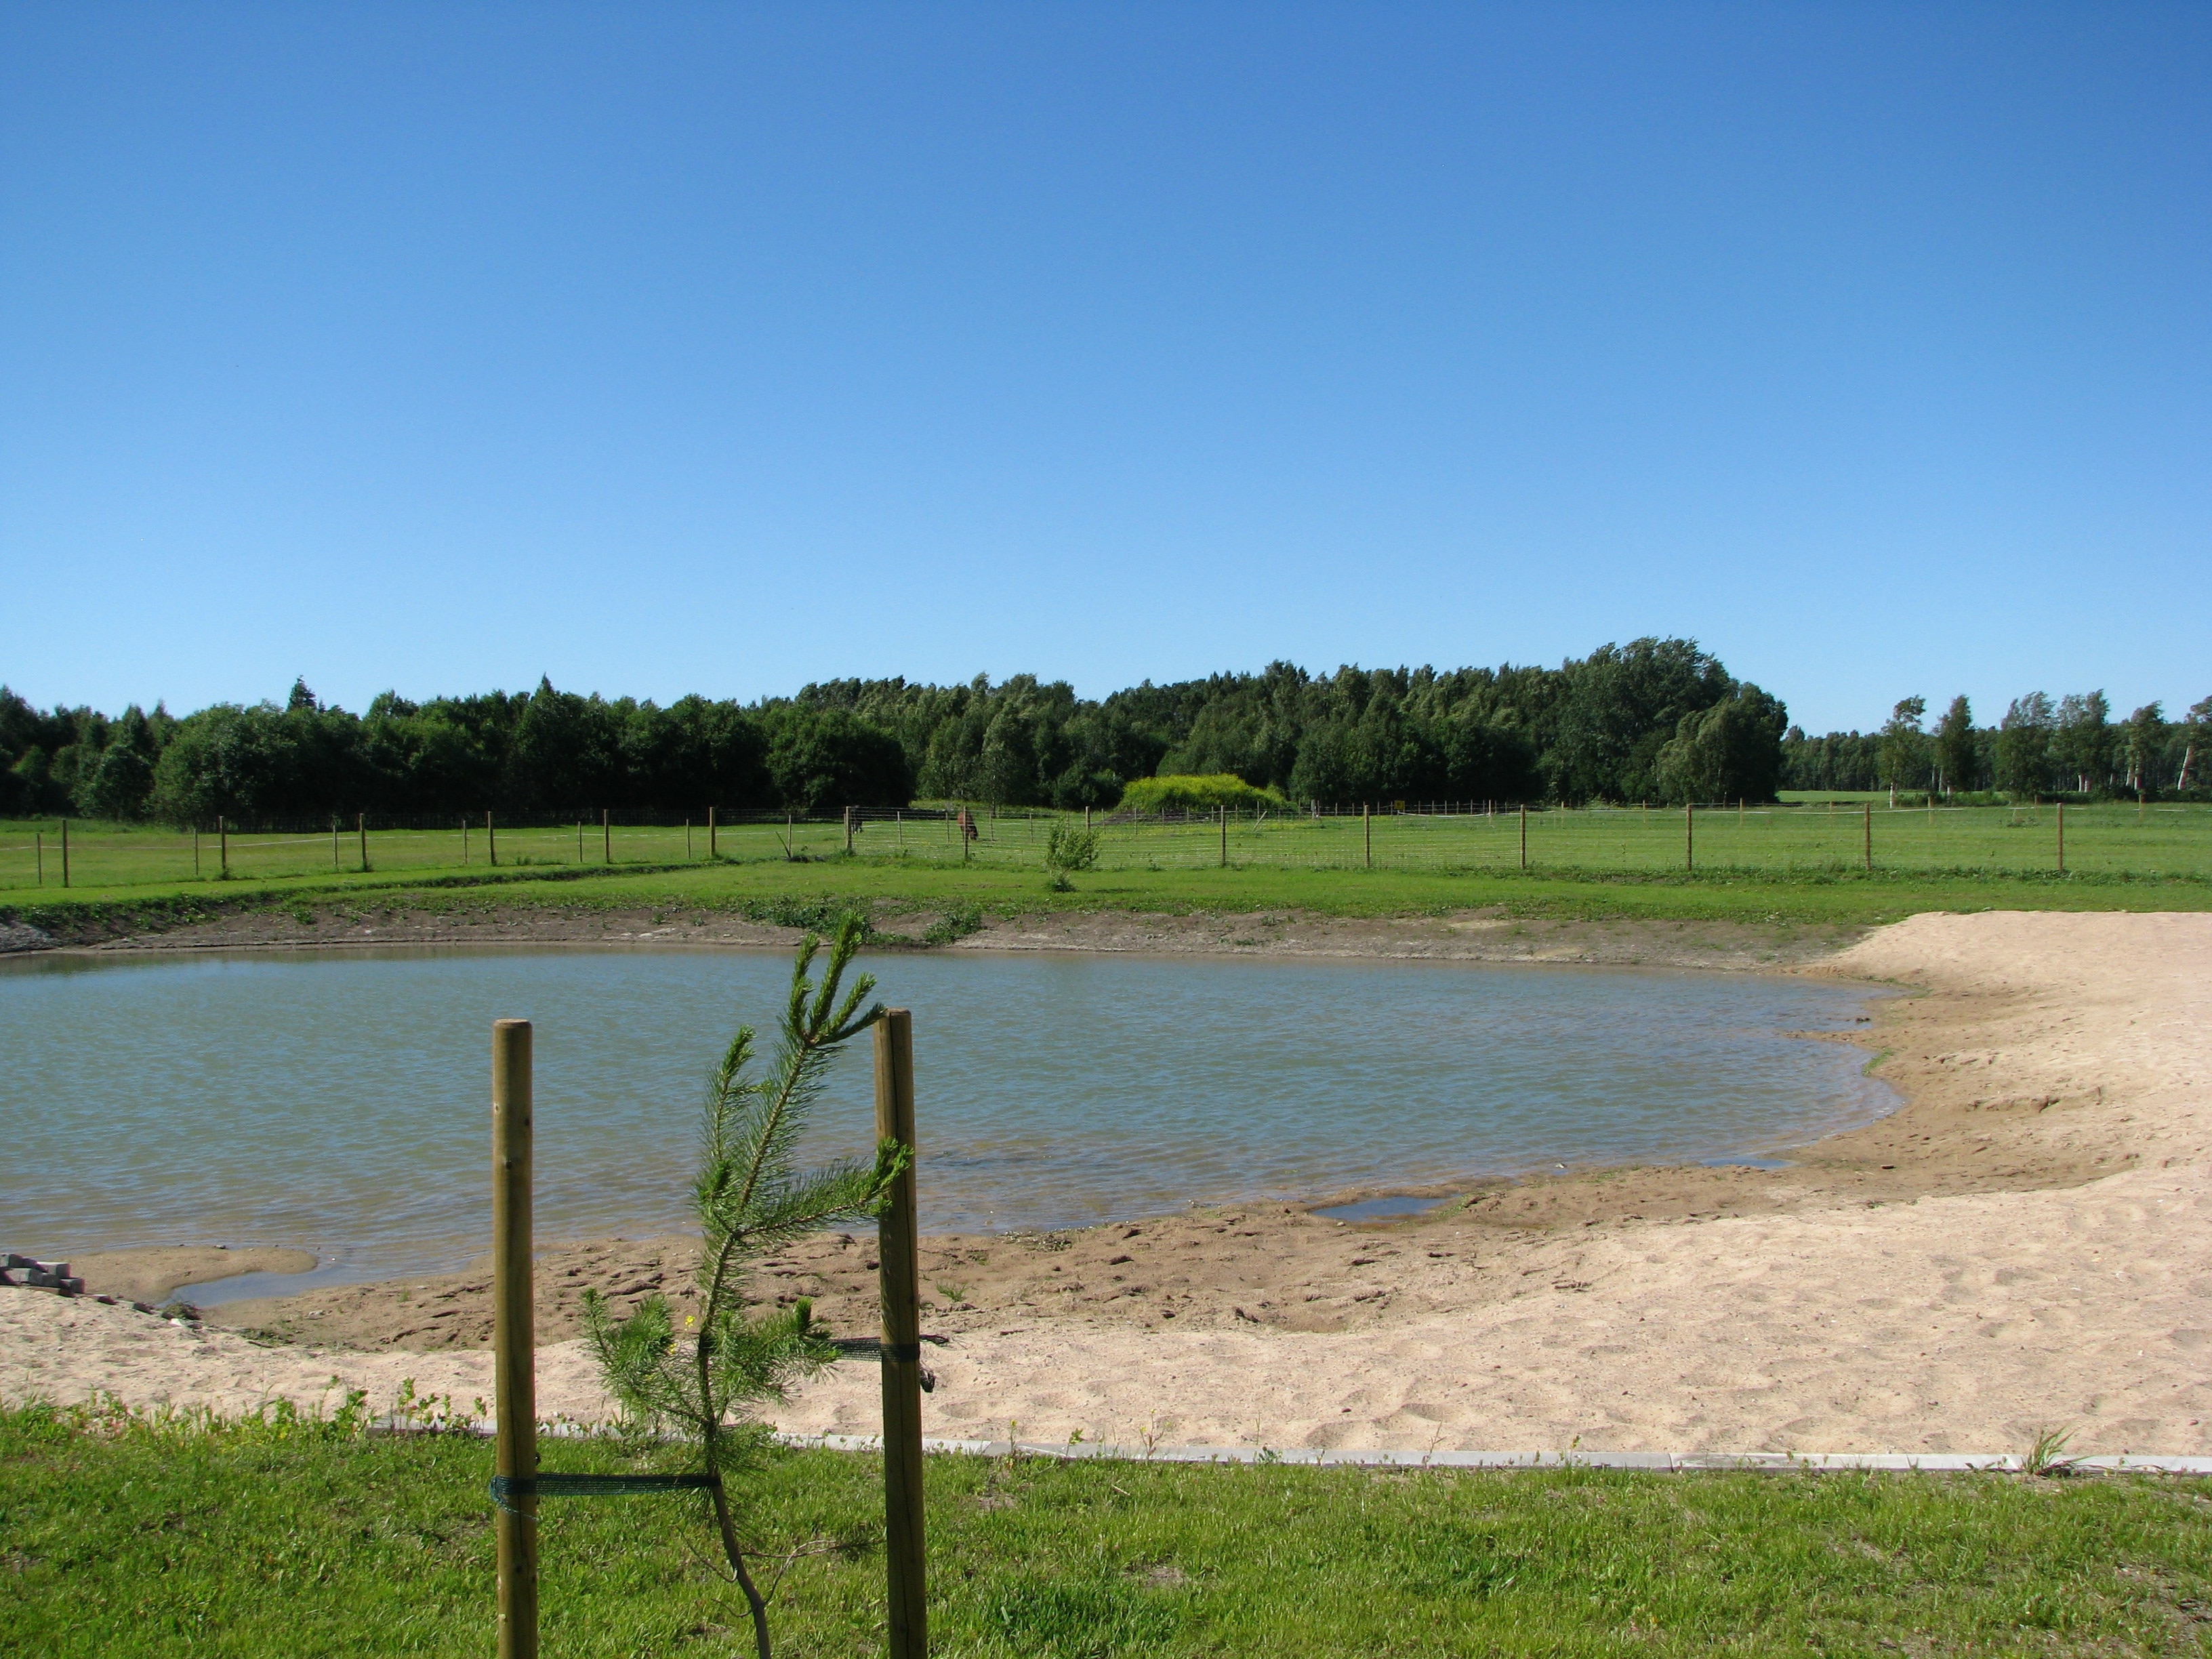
(2114, 840)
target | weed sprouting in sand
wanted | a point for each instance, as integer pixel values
(2044, 1458)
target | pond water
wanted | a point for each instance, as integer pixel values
(338, 1100)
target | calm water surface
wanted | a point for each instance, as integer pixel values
(338, 1100)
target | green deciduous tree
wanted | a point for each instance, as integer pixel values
(1958, 757)
(2023, 752)
(1905, 746)
(705, 1382)
(1731, 752)
(2081, 747)
(2142, 742)
(119, 782)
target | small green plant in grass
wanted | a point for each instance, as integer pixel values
(703, 1382)
(1068, 850)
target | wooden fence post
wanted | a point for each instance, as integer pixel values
(196, 855)
(38, 842)
(515, 1358)
(360, 825)
(1869, 837)
(905, 1556)
(1524, 835)
(464, 842)
(1222, 812)
(1367, 823)
(223, 844)
(714, 848)
(606, 836)
(2062, 837)
(65, 878)
(1689, 835)
(334, 840)
(491, 842)
(848, 832)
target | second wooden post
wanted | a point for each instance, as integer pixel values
(513, 1339)
(898, 1249)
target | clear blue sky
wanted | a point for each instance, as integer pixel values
(660, 347)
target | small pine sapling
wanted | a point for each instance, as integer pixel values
(704, 1381)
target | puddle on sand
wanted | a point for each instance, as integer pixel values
(1380, 1209)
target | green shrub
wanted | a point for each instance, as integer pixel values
(1197, 795)
(1068, 849)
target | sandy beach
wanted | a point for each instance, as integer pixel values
(2023, 1247)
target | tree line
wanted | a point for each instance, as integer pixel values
(2071, 745)
(1656, 719)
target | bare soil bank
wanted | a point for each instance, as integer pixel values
(1474, 935)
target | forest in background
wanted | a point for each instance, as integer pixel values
(1656, 720)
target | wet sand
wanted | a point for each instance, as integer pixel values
(2022, 1247)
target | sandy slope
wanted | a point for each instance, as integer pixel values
(1957, 1278)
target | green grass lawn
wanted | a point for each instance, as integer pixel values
(772, 888)
(1797, 866)
(305, 1540)
(1792, 841)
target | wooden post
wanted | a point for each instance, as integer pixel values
(39, 843)
(2061, 839)
(491, 842)
(848, 832)
(334, 840)
(1869, 837)
(514, 1354)
(66, 852)
(1689, 835)
(196, 854)
(687, 840)
(897, 1251)
(579, 841)
(712, 850)
(222, 842)
(465, 841)
(361, 826)
(1367, 823)
(606, 836)
(1524, 835)
(1222, 811)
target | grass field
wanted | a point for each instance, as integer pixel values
(305, 1540)
(1792, 864)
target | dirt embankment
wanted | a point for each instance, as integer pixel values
(1474, 935)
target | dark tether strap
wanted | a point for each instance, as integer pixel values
(504, 1486)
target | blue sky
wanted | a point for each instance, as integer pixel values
(664, 348)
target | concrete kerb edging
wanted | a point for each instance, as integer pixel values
(1672, 1462)
(1325, 1457)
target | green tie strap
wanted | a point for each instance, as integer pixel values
(506, 1486)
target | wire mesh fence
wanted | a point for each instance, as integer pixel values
(2107, 839)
